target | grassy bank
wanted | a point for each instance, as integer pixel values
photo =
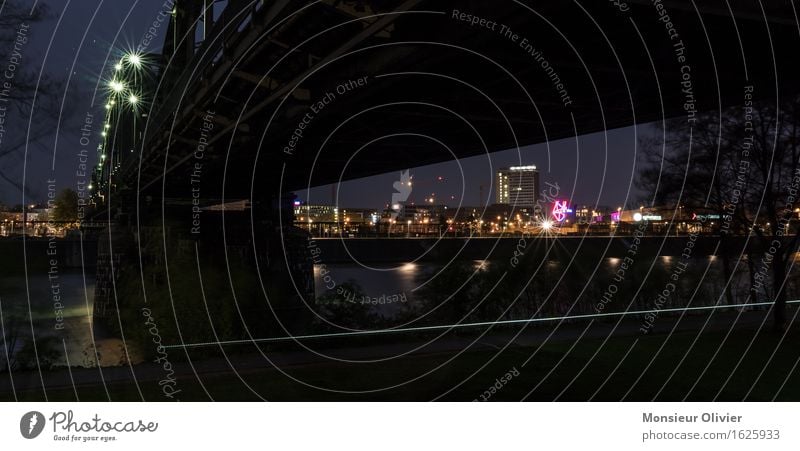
(554, 372)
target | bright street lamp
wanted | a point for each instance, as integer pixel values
(135, 60)
(116, 86)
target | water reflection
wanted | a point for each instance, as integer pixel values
(706, 271)
(388, 280)
(74, 333)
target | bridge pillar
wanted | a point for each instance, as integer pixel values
(216, 275)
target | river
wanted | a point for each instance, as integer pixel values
(703, 277)
(59, 315)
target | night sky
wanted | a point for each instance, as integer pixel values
(76, 44)
(84, 38)
(594, 169)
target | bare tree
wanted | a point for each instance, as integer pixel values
(30, 96)
(684, 165)
(743, 164)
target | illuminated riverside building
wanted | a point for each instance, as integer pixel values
(329, 220)
(518, 186)
(319, 213)
(422, 213)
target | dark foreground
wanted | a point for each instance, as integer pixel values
(685, 365)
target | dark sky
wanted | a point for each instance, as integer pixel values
(85, 37)
(594, 169)
(78, 43)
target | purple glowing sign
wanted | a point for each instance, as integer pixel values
(560, 210)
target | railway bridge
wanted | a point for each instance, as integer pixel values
(259, 98)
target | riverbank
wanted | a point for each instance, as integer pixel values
(694, 359)
(39, 255)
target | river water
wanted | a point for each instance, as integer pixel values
(30, 308)
(703, 278)
(27, 306)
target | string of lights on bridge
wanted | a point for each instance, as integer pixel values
(122, 90)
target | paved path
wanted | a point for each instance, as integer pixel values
(250, 362)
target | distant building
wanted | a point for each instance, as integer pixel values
(316, 213)
(586, 214)
(359, 216)
(464, 214)
(517, 186)
(422, 213)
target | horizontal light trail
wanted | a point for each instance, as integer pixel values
(465, 325)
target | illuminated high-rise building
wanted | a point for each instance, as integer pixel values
(517, 186)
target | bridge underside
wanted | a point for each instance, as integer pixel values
(287, 94)
(420, 83)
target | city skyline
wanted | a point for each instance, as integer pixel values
(574, 167)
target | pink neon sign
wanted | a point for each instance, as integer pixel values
(560, 210)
